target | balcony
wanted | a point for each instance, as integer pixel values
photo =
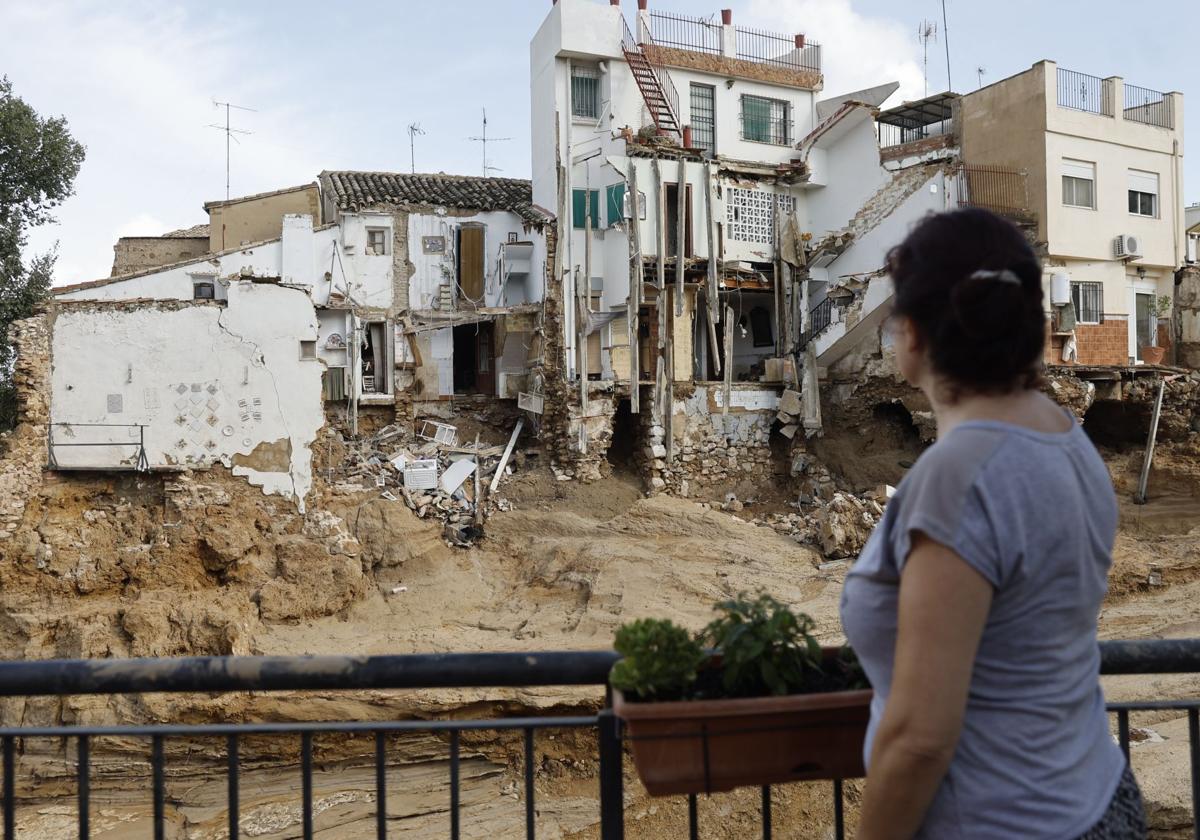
(997, 188)
(918, 128)
(719, 46)
(155, 754)
(1093, 95)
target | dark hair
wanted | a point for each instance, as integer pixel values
(971, 284)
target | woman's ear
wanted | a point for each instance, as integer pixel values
(908, 336)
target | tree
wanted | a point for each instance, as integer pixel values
(39, 160)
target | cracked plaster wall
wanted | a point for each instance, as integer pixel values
(211, 384)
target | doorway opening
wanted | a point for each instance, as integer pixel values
(624, 439)
(474, 359)
(376, 378)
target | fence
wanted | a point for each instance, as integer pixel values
(996, 188)
(682, 32)
(481, 670)
(891, 135)
(1084, 93)
(773, 48)
(820, 317)
(1148, 106)
(129, 454)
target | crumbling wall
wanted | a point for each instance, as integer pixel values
(139, 253)
(711, 449)
(23, 450)
(1187, 310)
(191, 384)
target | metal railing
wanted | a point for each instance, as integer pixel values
(820, 317)
(891, 135)
(136, 461)
(479, 670)
(996, 188)
(762, 47)
(682, 32)
(1148, 106)
(1085, 93)
(633, 47)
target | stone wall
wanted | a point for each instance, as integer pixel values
(138, 253)
(712, 451)
(23, 454)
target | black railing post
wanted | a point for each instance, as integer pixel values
(612, 795)
(10, 806)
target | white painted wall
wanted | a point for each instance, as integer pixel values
(853, 174)
(208, 382)
(369, 275)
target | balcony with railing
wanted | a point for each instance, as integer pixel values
(1001, 189)
(915, 128)
(163, 768)
(1093, 95)
(747, 49)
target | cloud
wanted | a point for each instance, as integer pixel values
(857, 51)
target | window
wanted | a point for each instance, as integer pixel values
(203, 290)
(615, 204)
(579, 214)
(1088, 300)
(1143, 193)
(377, 241)
(704, 118)
(1079, 183)
(766, 120)
(585, 91)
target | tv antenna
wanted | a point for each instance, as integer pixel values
(926, 32)
(413, 130)
(946, 41)
(980, 71)
(229, 134)
(484, 139)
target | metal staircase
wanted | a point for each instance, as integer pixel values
(658, 91)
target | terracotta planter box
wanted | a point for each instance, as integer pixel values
(705, 746)
(1153, 355)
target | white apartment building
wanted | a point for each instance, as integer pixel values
(1104, 161)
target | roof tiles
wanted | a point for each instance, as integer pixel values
(354, 191)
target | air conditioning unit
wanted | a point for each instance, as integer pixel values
(1127, 246)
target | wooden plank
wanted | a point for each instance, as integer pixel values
(728, 378)
(712, 292)
(680, 236)
(508, 451)
(478, 494)
(1144, 480)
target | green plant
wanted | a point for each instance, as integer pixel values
(765, 648)
(1161, 306)
(660, 661)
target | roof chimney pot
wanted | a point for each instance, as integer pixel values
(727, 17)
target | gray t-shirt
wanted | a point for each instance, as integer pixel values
(1035, 514)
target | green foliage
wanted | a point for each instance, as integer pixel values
(39, 160)
(765, 647)
(1161, 306)
(660, 659)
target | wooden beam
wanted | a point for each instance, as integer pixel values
(634, 301)
(728, 386)
(680, 237)
(508, 450)
(712, 292)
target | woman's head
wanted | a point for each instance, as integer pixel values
(967, 311)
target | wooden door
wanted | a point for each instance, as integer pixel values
(470, 263)
(485, 360)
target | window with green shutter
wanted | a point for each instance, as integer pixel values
(616, 204)
(579, 208)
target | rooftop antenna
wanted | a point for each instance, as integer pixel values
(946, 41)
(484, 139)
(413, 130)
(980, 71)
(229, 132)
(926, 32)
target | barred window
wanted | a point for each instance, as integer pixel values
(585, 91)
(766, 120)
(1088, 299)
(704, 118)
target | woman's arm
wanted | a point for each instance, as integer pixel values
(943, 608)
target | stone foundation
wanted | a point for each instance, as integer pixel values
(23, 453)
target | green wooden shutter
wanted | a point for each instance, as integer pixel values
(579, 208)
(616, 204)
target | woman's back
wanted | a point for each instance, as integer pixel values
(1034, 513)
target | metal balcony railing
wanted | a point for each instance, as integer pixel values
(820, 317)
(382, 673)
(1085, 93)
(1148, 106)
(127, 454)
(706, 35)
(681, 32)
(763, 47)
(996, 188)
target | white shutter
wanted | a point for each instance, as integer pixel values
(1079, 169)
(1145, 182)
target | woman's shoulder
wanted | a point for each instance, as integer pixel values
(958, 459)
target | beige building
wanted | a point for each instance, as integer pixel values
(1104, 167)
(256, 218)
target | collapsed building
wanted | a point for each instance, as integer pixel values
(695, 271)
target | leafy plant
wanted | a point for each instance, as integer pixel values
(1161, 306)
(765, 648)
(661, 659)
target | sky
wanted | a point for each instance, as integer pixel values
(335, 85)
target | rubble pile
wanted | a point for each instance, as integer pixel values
(839, 527)
(434, 478)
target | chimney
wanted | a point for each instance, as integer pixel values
(643, 5)
(800, 41)
(687, 137)
(727, 17)
(614, 2)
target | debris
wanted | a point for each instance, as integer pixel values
(512, 441)
(442, 433)
(789, 403)
(396, 590)
(456, 474)
(421, 475)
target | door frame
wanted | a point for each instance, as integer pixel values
(1137, 287)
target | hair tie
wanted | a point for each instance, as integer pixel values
(1004, 276)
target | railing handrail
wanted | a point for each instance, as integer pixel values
(73, 677)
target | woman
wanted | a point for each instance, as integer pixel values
(974, 605)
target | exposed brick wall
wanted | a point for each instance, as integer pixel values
(1098, 344)
(918, 147)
